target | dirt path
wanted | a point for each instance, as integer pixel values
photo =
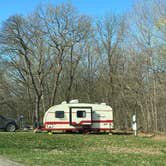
(7, 162)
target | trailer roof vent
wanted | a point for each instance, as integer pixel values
(103, 103)
(75, 101)
(64, 102)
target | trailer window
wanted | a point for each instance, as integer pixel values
(59, 114)
(81, 114)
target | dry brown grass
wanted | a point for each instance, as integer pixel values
(110, 149)
(146, 135)
(160, 137)
(152, 151)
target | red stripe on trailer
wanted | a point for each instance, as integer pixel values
(76, 129)
(84, 121)
(57, 123)
(102, 121)
(81, 122)
(73, 129)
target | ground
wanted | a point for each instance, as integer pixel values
(42, 149)
(6, 162)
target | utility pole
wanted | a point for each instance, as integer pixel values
(134, 124)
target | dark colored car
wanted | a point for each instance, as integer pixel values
(8, 124)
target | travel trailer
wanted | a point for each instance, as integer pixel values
(78, 117)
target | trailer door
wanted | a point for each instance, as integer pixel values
(80, 115)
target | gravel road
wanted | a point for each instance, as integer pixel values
(7, 162)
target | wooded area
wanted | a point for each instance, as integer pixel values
(58, 54)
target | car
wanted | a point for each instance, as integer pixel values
(8, 124)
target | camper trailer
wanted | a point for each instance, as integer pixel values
(79, 117)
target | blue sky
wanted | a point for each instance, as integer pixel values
(90, 7)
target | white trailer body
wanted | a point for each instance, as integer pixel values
(79, 117)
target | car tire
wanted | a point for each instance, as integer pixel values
(11, 127)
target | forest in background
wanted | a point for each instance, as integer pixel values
(56, 54)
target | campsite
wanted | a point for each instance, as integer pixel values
(83, 83)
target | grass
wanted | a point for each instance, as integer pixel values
(84, 150)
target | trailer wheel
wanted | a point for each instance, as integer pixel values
(80, 131)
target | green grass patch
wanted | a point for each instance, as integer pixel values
(76, 149)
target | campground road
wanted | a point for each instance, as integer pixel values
(7, 162)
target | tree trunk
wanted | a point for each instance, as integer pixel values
(37, 110)
(55, 87)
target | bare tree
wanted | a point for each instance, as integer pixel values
(65, 30)
(23, 42)
(111, 31)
